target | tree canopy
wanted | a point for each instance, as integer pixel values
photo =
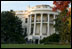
(11, 28)
(63, 20)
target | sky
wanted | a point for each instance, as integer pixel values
(21, 5)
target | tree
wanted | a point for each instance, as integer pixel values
(69, 24)
(11, 28)
(62, 20)
(51, 39)
(61, 5)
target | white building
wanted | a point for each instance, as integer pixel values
(39, 21)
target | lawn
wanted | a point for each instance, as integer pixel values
(33, 46)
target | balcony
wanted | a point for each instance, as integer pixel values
(44, 20)
(37, 33)
(40, 20)
(44, 33)
(51, 21)
(36, 20)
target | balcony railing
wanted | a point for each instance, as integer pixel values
(37, 33)
(44, 20)
(44, 33)
(51, 20)
(40, 20)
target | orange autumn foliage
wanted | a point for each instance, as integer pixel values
(69, 18)
(68, 15)
(60, 5)
(69, 12)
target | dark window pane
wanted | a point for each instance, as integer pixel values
(26, 20)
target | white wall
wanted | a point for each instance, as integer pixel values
(38, 18)
(38, 28)
(51, 29)
(44, 28)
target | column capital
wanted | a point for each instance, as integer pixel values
(30, 15)
(35, 13)
(41, 13)
(54, 14)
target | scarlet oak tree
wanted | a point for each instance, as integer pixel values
(62, 20)
(60, 5)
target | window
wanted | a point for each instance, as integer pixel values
(31, 31)
(26, 20)
(25, 30)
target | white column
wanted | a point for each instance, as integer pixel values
(34, 41)
(54, 22)
(54, 18)
(39, 41)
(41, 24)
(48, 32)
(30, 25)
(34, 24)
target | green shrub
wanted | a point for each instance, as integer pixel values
(54, 38)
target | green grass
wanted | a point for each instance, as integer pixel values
(33, 46)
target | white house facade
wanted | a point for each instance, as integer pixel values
(38, 22)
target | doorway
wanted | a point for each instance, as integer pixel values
(36, 41)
